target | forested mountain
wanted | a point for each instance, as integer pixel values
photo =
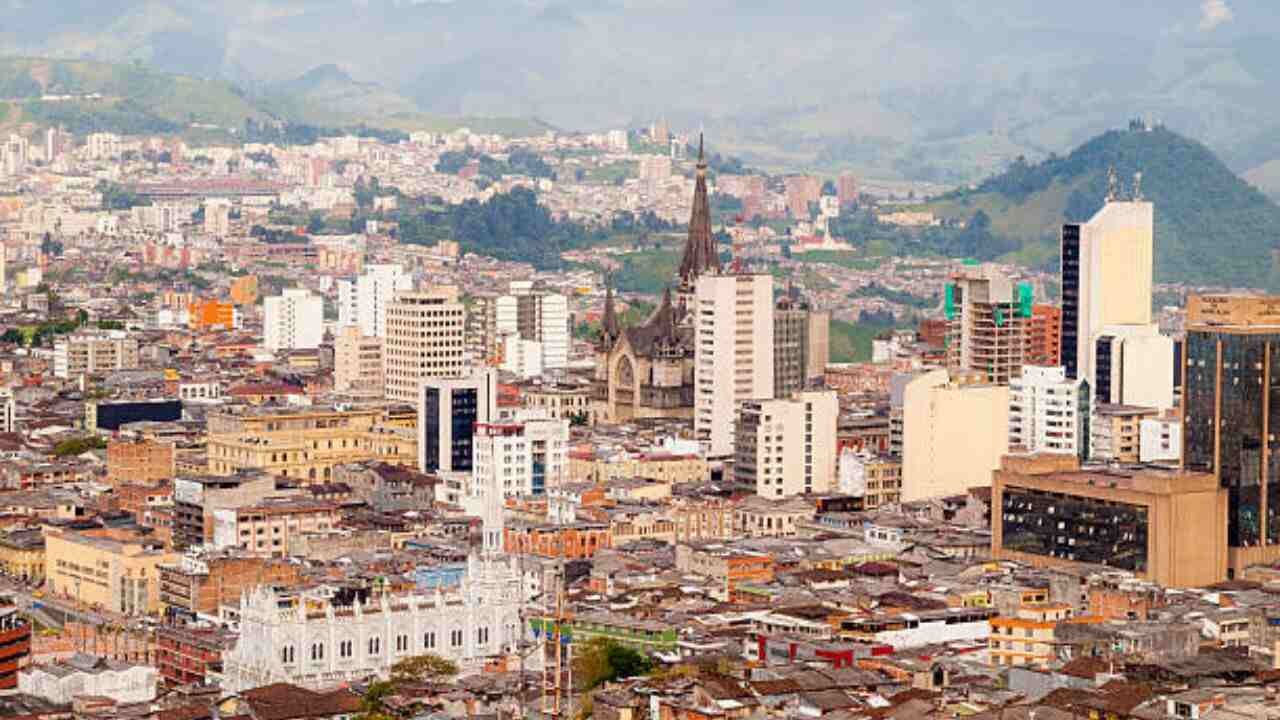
(1212, 228)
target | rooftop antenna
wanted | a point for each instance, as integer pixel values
(1113, 185)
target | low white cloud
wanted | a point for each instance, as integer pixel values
(1214, 13)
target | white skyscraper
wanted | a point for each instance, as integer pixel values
(1106, 278)
(293, 320)
(1049, 413)
(363, 303)
(536, 315)
(733, 359)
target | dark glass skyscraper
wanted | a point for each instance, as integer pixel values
(1070, 336)
(1231, 415)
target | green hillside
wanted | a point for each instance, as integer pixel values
(1212, 228)
(133, 89)
(133, 98)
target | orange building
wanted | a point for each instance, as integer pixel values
(212, 315)
(1044, 334)
(142, 462)
(244, 290)
(573, 542)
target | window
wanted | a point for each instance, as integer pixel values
(286, 654)
(429, 641)
(455, 638)
(375, 646)
(344, 649)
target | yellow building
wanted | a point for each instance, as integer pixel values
(883, 476)
(306, 443)
(113, 569)
(1027, 638)
(664, 468)
(22, 554)
(955, 429)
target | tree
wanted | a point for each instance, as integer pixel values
(423, 667)
(373, 702)
(602, 660)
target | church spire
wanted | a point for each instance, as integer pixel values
(609, 326)
(700, 247)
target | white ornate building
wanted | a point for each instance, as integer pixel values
(314, 642)
(317, 641)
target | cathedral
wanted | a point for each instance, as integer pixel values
(647, 371)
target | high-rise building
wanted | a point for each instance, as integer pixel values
(787, 447)
(733, 321)
(1048, 412)
(357, 362)
(1133, 365)
(448, 413)
(1106, 278)
(363, 302)
(955, 428)
(426, 334)
(1044, 336)
(523, 457)
(532, 313)
(847, 191)
(801, 191)
(293, 320)
(800, 342)
(987, 316)
(1231, 415)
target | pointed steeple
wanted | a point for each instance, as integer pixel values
(700, 247)
(609, 325)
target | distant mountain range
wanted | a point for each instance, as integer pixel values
(947, 91)
(1212, 228)
(87, 95)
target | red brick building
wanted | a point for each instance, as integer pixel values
(574, 542)
(15, 643)
(186, 655)
(1044, 334)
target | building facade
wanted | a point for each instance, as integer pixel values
(114, 569)
(522, 458)
(988, 320)
(1049, 413)
(363, 303)
(1044, 336)
(733, 320)
(787, 447)
(1164, 525)
(357, 362)
(1231, 364)
(306, 443)
(293, 320)
(1106, 277)
(94, 352)
(800, 345)
(448, 413)
(533, 313)
(426, 336)
(955, 428)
